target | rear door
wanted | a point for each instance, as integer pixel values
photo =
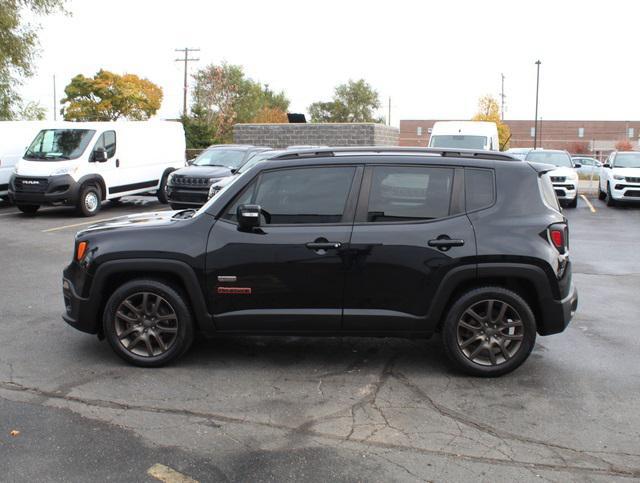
(287, 275)
(410, 230)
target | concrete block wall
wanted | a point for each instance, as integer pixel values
(324, 134)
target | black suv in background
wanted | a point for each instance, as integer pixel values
(189, 186)
(364, 241)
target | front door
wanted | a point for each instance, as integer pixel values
(289, 273)
(410, 229)
(109, 169)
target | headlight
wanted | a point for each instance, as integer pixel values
(213, 180)
(170, 178)
(619, 177)
(573, 175)
(66, 170)
(213, 190)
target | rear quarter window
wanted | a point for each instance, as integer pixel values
(479, 188)
(547, 192)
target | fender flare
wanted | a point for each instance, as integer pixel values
(89, 178)
(158, 267)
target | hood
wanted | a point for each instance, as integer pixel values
(562, 171)
(143, 220)
(204, 171)
(224, 181)
(44, 168)
(633, 172)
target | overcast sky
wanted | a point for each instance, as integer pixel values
(434, 59)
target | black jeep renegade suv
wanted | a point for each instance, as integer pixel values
(365, 241)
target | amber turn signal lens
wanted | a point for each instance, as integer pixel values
(82, 250)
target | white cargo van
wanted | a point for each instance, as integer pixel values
(83, 164)
(465, 135)
(15, 136)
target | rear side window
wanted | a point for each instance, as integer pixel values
(298, 196)
(547, 192)
(479, 188)
(409, 193)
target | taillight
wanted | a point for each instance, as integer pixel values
(558, 236)
(81, 250)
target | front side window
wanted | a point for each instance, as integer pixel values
(458, 141)
(300, 195)
(59, 144)
(107, 141)
(408, 193)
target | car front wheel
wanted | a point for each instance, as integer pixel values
(90, 201)
(148, 323)
(609, 198)
(489, 331)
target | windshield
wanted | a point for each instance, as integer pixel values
(557, 158)
(59, 144)
(627, 160)
(231, 158)
(256, 159)
(458, 141)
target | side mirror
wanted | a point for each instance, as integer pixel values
(190, 161)
(577, 165)
(248, 217)
(606, 165)
(100, 155)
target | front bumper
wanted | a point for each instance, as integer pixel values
(79, 313)
(43, 190)
(624, 191)
(188, 196)
(566, 191)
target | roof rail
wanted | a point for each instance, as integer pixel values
(450, 153)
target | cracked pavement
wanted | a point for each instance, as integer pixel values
(283, 409)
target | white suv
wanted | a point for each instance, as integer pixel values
(564, 178)
(620, 177)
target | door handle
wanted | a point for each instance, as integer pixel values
(323, 245)
(445, 243)
(117, 163)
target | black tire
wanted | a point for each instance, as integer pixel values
(176, 301)
(28, 209)
(162, 190)
(90, 201)
(451, 331)
(601, 194)
(608, 198)
(573, 203)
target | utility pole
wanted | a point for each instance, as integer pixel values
(55, 101)
(502, 97)
(535, 129)
(186, 61)
(389, 116)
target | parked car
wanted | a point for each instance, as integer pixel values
(520, 153)
(360, 241)
(465, 135)
(15, 136)
(620, 178)
(564, 178)
(189, 187)
(84, 164)
(217, 186)
(588, 166)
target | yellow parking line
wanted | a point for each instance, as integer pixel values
(168, 475)
(593, 210)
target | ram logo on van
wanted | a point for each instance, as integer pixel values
(30, 181)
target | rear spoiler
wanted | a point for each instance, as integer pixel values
(541, 168)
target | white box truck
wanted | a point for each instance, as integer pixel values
(15, 137)
(82, 164)
(480, 135)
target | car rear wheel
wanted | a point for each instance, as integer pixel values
(148, 323)
(489, 331)
(29, 209)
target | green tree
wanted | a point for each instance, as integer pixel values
(18, 45)
(224, 96)
(355, 101)
(108, 96)
(489, 110)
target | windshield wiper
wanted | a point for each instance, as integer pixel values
(183, 214)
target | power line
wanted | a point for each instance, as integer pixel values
(186, 61)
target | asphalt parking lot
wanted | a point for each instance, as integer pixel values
(291, 409)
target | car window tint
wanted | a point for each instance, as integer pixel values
(479, 188)
(110, 143)
(295, 196)
(403, 193)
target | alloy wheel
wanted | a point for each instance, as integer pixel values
(490, 332)
(146, 324)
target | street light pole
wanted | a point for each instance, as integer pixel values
(535, 128)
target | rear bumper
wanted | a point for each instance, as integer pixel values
(558, 313)
(52, 190)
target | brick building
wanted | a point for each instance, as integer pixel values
(596, 137)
